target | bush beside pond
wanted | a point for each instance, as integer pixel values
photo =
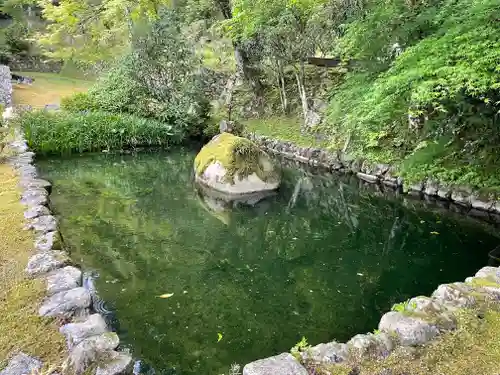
(64, 132)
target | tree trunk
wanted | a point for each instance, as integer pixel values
(300, 76)
(281, 85)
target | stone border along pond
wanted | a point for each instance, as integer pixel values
(91, 344)
(458, 198)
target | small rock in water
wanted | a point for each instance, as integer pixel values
(22, 364)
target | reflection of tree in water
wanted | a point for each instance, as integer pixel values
(319, 259)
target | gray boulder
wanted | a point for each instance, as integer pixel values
(48, 241)
(43, 224)
(456, 295)
(117, 364)
(30, 183)
(22, 364)
(75, 333)
(332, 352)
(36, 211)
(410, 331)
(283, 364)
(63, 279)
(35, 197)
(28, 171)
(91, 351)
(490, 273)
(42, 263)
(379, 345)
(66, 304)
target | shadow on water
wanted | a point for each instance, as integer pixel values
(321, 259)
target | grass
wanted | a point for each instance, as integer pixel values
(60, 132)
(473, 348)
(284, 129)
(48, 88)
(21, 329)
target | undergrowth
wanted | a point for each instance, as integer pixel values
(64, 132)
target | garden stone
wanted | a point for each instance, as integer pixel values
(480, 204)
(461, 196)
(42, 263)
(283, 364)
(410, 331)
(28, 171)
(38, 197)
(48, 241)
(44, 224)
(75, 333)
(492, 273)
(63, 279)
(456, 295)
(444, 192)
(66, 304)
(332, 352)
(367, 177)
(37, 183)
(379, 345)
(431, 188)
(235, 166)
(435, 312)
(36, 211)
(91, 350)
(117, 364)
(22, 364)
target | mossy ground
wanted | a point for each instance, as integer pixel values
(238, 155)
(48, 88)
(21, 329)
(472, 349)
(285, 129)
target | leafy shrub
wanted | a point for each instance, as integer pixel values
(81, 101)
(157, 79)
(66, 132)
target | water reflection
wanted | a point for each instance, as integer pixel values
(321, 258)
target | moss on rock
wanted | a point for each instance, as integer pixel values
(239, 156)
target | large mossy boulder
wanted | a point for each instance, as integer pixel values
(235, 166)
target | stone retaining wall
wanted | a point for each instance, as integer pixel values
(384, 175)
(415, 323)
(5, 86)
(91, 345)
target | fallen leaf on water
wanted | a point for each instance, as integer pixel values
(434, 232)
(422, 221)
(166, 295)
(219, 336)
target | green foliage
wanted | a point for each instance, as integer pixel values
(445, 75)
(81, 101)
(158, 79)
(65, 132)
(299, 347)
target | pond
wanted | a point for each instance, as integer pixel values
(320, 259)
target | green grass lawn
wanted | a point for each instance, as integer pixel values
(285, 129)
(48, 88)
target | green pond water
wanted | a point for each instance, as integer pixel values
(320, 259)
